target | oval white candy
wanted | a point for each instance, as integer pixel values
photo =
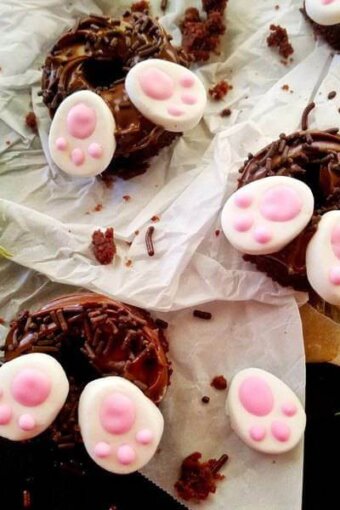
(166, 93)
(323, 258)
(33, 389)
(264, 412)
(121, 428)
(81, 139)
(323, 12)
(265, 215)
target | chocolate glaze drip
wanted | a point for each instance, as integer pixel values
(92, 336)
(330, 33)
(96, 55)
(314, 158)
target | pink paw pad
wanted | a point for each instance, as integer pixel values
(81, 139)
(264, 412)
(120, 426)
(167, 94)
(323, 258)
(265, 215)
(34, 388)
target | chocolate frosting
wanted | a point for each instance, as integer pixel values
(96, 55)
(314, 158)
(92, 336)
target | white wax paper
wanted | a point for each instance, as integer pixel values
(47, 218)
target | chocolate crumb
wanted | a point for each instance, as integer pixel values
(278, 38)
(164, 5)
(331, 95)
(220, 90)
(128, 263)
(161, 324)
(305, 113)
(200, 314)
(8, 142)
(98, 208)
(31, 122)
(217, 232)
(285, 87)
(103, 245)
(155, 218)
(136, 232)
(277, 7)
(226, 112)
(198, 479)
(142, 6)
(219, 382)
(205, 399)
(148, 241)
(126, 198)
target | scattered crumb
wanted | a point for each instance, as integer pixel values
(217, 232)
(200, 314)
(285, 87)
(198, 479)
(103, 245)
(219, 382)
(107, 179)
(164, 5)
(126, 198)
(128, 243)
(128, 263)
(2, 321)
(331, 95)
(155, 218)
(201, 35)
(31, 122)
(98, 208)
(278, 38)
(136, 232)
(161, 324)
(220, 90)
(8, 142)
(226, 112)
(205, 400)
(277, 7)
(142, 6)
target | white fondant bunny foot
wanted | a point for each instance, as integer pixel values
(33, 389)
(166, 93)
(264, 412)
(323, 12)
(81, 139)
(120, 426)
(265, 215)
(323, 258)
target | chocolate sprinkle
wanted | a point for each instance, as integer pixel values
(331, 95)
(205, 400)
(149, 242)
(200, 314)
(305, 113)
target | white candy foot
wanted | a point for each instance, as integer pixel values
(81, 139)
(323, 258)
(120, 426)
(323, 12)
(264, 412)
(33, 389)
(265, 215)
(168, 94)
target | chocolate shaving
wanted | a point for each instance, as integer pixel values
(200, 314)
(305, 113)
(149, 242)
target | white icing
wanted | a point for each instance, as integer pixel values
(255, 222)
(82, 144)
(278, 412)
(40, 415)
(166, 93)
(130, 429)
(323, 12)
(323, 258)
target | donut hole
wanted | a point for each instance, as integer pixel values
(101, 73)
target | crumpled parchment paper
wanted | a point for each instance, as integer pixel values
(47, 218)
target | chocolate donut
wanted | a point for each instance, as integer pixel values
(92, 336)
(313, 157)
(324, 18)
(96, 55)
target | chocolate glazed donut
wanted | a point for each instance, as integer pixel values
(314, 158)
(92, 336)
(97, 55)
